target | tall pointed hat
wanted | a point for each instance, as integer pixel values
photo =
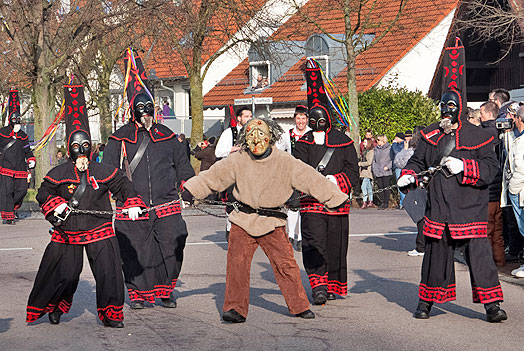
(75, 110)
(137, 81)
(454, 71)
(316, 93)
(14, 103)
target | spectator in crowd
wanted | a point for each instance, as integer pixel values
(60, 157)
(488, 113)
(185, 144)
(205, 152)
(94, 154)
(366, 175)
(381, 167)
(159, 114)
(368, 135)
(166, 110)
(400, 161)
(474, 117)
(513, 178)
(499, 96)
(398, 144)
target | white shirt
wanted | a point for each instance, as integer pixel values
(225, 143)
(515, 163)
(284, 143)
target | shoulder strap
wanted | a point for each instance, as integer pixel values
(139, 154)
(325, 160)
(75, 200)
(7, 146)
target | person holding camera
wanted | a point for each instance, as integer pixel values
(513, 176)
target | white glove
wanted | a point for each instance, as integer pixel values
(60, 208)
(31, 164)
(332, 179)
(134, 212)
(405, 180)
(454, 165)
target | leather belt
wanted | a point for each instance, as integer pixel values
(266, 212)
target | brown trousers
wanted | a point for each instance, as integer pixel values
(279, 251)
(495, 235)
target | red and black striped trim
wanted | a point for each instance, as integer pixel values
(487, 295)
(471, 172)
(343, 182)
(469, 230)
(339, 288)
(105, 231)
(14, 174)
(437, 294)
(409, 172)
(310, 205)
(120, 216)
(111, 312)
(160, 291)
(316, 280)
(433, 229)
(168, 210)
(127, 139)
(134, 202)
(108, 178)
(430, 135)
(33, 313)
(61, 181)
(52, 203)
(155, 139)
(7, 215)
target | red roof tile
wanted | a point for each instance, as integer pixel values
(418, 19)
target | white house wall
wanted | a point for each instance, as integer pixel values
(416, 69)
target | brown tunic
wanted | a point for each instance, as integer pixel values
(268, 183)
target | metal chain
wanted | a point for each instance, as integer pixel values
(430, 171)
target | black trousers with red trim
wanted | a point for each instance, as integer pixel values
(324, 251)
(152, 252)
(12, 193)
(59, 274)
(438, 270)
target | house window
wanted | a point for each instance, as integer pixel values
(317, 48)
(259, 74)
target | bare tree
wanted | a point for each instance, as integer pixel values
(44, 36)
(501, 20)
(360, 23)
(195, 34)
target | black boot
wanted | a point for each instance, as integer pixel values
(113, 324)
(320, 298)
(54, 317)
(233, 317)
(10, 221)
(308, 314)
(169, 302)
(136, 305)
(331, 296)
(494, 314)
(423, 309)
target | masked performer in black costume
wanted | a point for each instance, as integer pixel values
(457, 208)
(15, 158)
(152, 247)
(325, 233)
(81, 185)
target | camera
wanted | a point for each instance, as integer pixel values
(504, 123)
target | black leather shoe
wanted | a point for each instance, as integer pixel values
(320, 298)
(169, 302)
(233, 317)
(306, 314)
(496, 315)
(54, 317)
(136, 305)
(331, 296)
(423, 310)
(113, 324)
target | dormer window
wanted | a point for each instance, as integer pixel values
(259, 74)
(317, 48)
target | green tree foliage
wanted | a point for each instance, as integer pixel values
(389, 110)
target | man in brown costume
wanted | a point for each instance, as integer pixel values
(264, 179)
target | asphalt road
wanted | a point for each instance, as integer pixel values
(376, 315)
